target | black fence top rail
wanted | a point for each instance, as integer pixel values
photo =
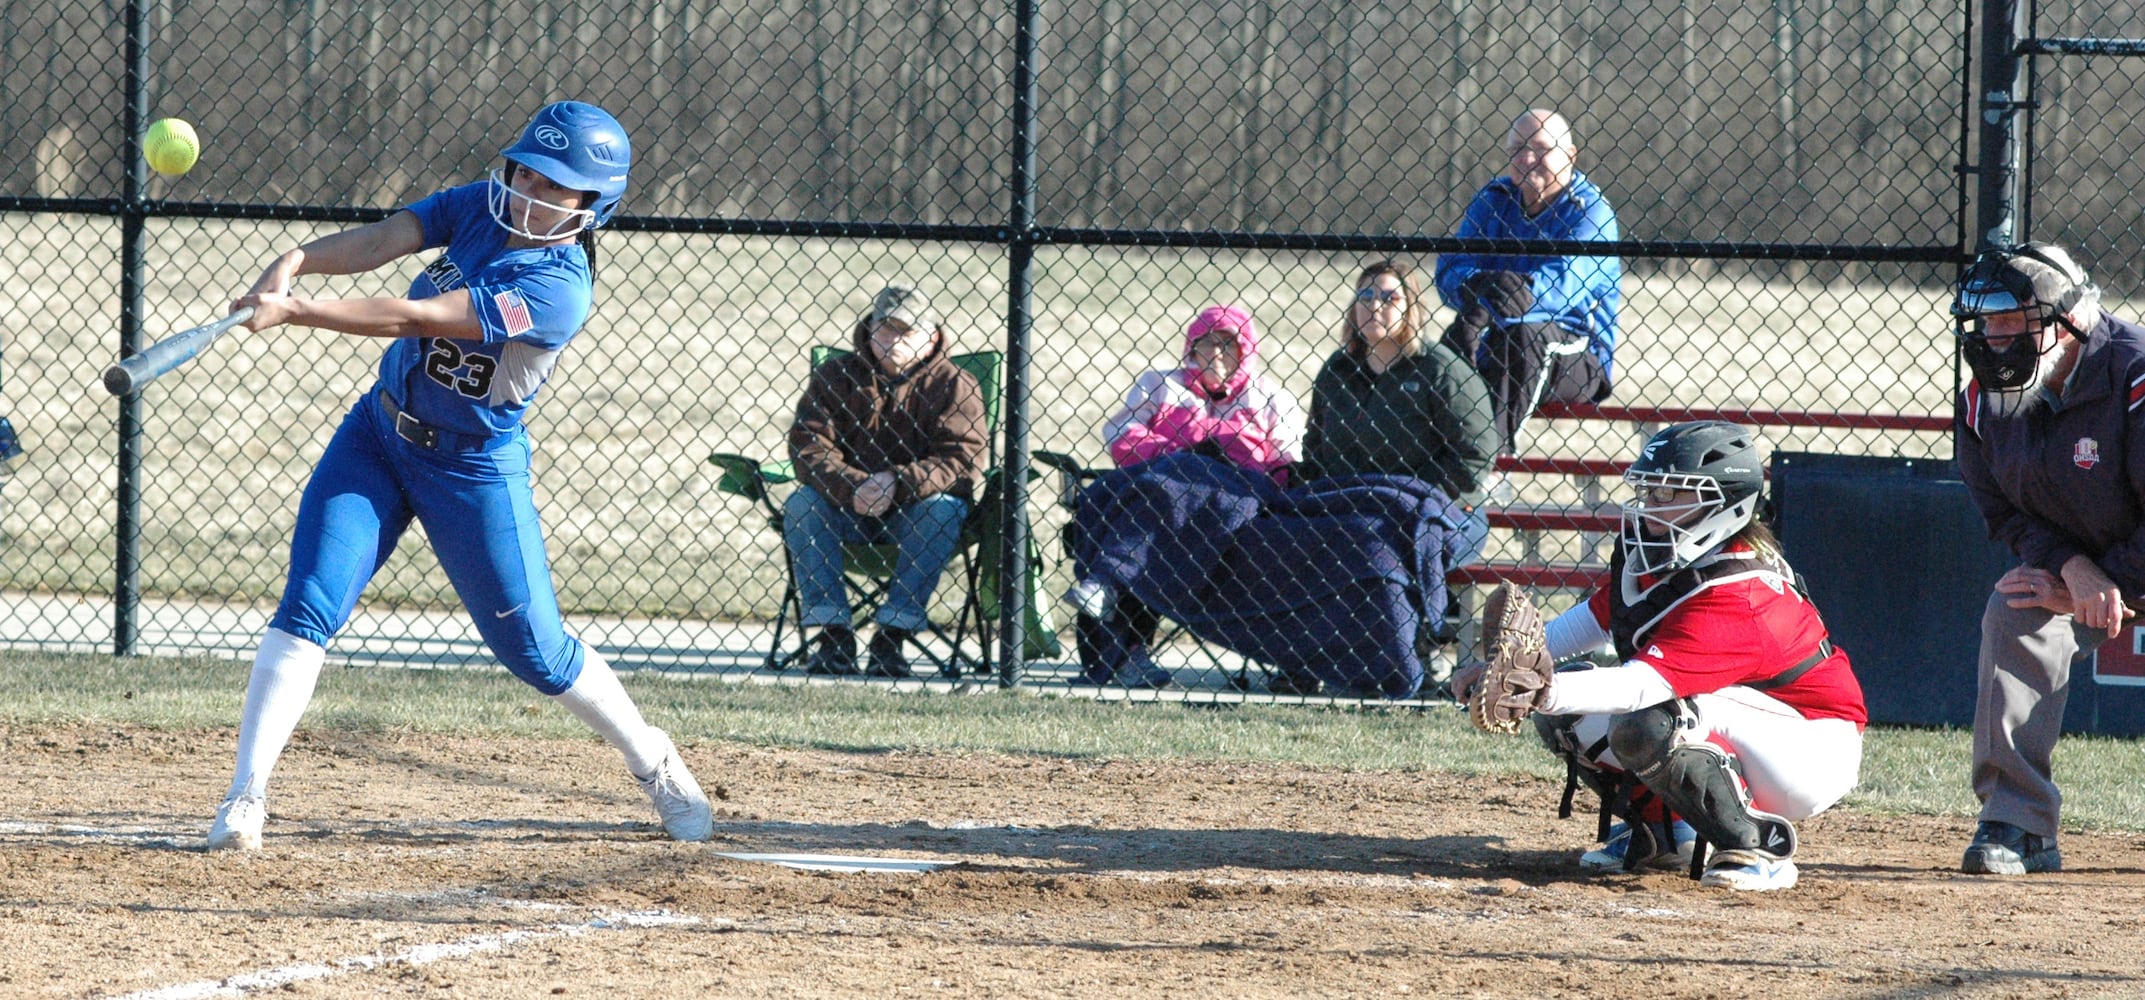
(1062, 235)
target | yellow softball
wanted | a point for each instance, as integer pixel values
(171, 147)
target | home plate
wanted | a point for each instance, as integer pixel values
(840, 862)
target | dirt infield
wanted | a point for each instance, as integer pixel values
(412, 865)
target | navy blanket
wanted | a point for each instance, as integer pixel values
(1333, 579)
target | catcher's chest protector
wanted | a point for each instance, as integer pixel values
(1631, 621)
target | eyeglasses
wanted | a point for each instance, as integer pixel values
(1380, 296)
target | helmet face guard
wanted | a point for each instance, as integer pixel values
(1675, 519)
(511, 210)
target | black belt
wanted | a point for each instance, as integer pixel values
(426, 436)
(1794, 673)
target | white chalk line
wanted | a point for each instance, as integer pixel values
(276, 978)
(75, 831)
(839, 862)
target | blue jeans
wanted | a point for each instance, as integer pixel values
(925, 531)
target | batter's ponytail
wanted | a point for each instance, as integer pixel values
(588, 249)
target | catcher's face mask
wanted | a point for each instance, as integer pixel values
(1674, 519)
(2008, 351)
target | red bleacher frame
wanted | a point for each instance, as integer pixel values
(1759, 418)
(1575, 576)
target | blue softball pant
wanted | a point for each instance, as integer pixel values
(476, 507)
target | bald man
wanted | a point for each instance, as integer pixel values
(1539, 327)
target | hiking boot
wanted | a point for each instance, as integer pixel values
(836, 653)
(677, 797)
(1291, 682)
(1749, 871)
(1139, 671)
(1610, 857)
(238, 824)
(2003, 849)
(888, 658)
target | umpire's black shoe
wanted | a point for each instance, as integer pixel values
(835, 654)
(2003, 849)
(888, 657)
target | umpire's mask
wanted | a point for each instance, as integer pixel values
(2042, 282)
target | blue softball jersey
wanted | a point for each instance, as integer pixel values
(530, 301)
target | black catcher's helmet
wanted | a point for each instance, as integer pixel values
(1716, 462)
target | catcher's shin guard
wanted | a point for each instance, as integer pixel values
(1582, 756)
(1698, 780)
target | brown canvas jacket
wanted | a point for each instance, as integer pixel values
(926, 426)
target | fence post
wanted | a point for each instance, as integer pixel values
(1020, 256)
(126, 563)
(1996, 208)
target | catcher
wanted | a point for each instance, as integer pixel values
(1731, 713)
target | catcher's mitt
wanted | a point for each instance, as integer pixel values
(1519, 669)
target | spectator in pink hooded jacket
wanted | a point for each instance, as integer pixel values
(1217, 402)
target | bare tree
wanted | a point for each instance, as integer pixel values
(1255, 81)
(1107, 117)
(1786, 78)
(1343, 19)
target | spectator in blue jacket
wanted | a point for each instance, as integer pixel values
(1539, 327)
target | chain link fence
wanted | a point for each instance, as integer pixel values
(1787, 179)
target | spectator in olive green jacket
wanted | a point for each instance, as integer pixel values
(1394, 401)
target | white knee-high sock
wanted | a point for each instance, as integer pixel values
(285, 668)
(597, 698)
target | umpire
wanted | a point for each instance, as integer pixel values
(2051, 443)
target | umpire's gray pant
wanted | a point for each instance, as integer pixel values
(2026, 656)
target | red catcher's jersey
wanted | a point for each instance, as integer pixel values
(1741, 631)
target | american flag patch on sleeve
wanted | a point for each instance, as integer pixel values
(513, 312)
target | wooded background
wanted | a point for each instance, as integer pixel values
(1783, 121)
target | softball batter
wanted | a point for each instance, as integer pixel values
(439, 438)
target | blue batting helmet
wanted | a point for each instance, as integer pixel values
(579, 146)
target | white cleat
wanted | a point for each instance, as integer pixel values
(677, 797)
(238, 824)
(1749, 871)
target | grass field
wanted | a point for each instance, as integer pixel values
(1905, 771)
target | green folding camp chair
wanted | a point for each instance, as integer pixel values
(870, 568)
